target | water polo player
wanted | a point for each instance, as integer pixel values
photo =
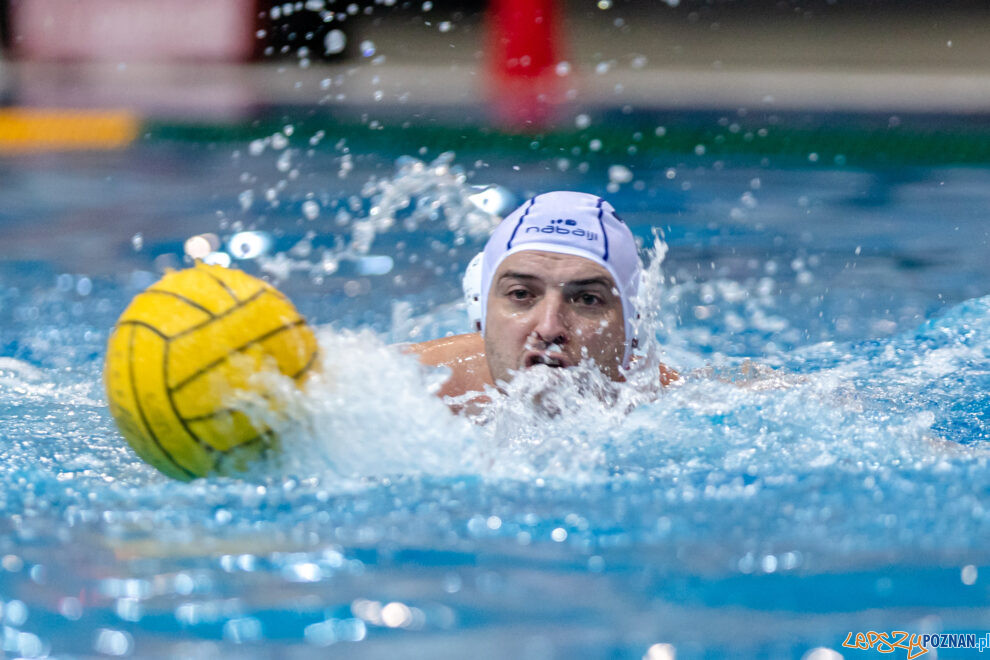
(555, 289)
(557, 282)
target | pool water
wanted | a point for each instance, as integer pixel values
(821, 469)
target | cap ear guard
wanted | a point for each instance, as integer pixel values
(472, 291)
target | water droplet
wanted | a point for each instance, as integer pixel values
(197, 247)
(70, 608)
(335, 42)
(821, 653)
(311, 209)
(27, 645)
(244, 629)
(246, 198)
(660, 652)
(619, 174)
(113, 642)
(249, 244)
(257, 147)
(129, 609)
(84, 286)
(367, 48)
(15, 613)
(396, 615)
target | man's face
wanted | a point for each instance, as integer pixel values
(552, 309)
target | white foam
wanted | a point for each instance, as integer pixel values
(369, 410)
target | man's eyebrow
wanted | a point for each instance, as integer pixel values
(603, 281)
(511, 275)
(590, 281)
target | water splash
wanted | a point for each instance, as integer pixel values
(369, 411)
(434, 195)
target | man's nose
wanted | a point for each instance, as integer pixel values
(551, 319)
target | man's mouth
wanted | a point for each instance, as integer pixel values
(534, 359)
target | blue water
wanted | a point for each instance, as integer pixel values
(836, 482)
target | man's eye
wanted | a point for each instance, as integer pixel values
(589, 299)
(518, 294)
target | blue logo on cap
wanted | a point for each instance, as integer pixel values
(563, 226)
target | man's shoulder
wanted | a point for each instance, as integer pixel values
(463, 354)
(445, 351)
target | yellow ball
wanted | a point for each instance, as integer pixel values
(179, 351)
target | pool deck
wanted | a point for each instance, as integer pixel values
(918, 61)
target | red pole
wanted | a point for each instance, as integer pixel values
(524, 50)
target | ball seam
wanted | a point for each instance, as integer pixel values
(140, 408)
(205, 368)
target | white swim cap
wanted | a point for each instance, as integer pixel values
(571, 223)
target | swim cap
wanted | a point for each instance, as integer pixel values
(571, 223)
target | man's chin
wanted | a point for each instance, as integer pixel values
(583, 387)
(540, 386)
(540, 378)
(585, 367)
